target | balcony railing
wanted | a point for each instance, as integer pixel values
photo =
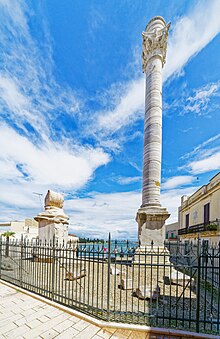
(209, 226)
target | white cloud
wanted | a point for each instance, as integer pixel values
(171, 199)
(48, 164)
(199, 103)
(202, 146)
(102, 213)
(128, 180)
(177, 181)
(131, 102)
(204, 157)
(207, 164)
(188, 36)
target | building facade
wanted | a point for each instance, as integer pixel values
(172, 231)
(27, 228)
(199, 214)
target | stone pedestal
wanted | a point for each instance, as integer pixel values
(53, 222)
(151, 221)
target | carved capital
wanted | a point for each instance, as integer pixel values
(155, 41)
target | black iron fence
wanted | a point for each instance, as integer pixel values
(170, 286)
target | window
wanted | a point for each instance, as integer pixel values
(187, 220)
(206, 213)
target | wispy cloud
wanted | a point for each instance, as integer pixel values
(178, 181)
(189, 35)
(123, 114)
(30, 95)
(128, 180)
(204, 157)
(199, 102)
(202, 146)
(210, 161)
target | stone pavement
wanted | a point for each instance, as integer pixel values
(22, 316)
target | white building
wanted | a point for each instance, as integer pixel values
(28, 228)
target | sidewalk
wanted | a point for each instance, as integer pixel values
(22, 316)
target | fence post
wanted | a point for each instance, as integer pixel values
(21, 263)
(53, 268)
(198, 285)
(0, 256)
(109, 277)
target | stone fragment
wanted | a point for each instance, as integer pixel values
(144, 292)
(75, 275)
(179, 278)
(6, 264)
(114, 271)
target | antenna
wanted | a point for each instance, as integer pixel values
(40, 195)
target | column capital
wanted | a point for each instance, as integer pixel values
(155, 41)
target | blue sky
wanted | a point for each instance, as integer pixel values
(72, 107)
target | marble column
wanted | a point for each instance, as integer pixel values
(151, 215)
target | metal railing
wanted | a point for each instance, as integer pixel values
(173, 287)
(209, 226)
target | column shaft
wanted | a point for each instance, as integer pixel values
(152, 134)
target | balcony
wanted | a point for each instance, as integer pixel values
(210, 226)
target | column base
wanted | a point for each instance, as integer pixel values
(151, 221)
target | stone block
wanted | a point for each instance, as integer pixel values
(144, 292)
(126, 284)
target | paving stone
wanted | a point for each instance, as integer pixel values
(20, 321)
(123, 332)
(14, 318)
(118, 335)
(34, 323)
(46, 326)
(54, 313)
(19, 331)
(88, 332)
(80, 325)
(6, 315)
(43, 318)
(51, 333)
(69, 333)
(110, 329)
(10, 326)
(137, 335)
(104, 334)
(74, 319)
(63, 326)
